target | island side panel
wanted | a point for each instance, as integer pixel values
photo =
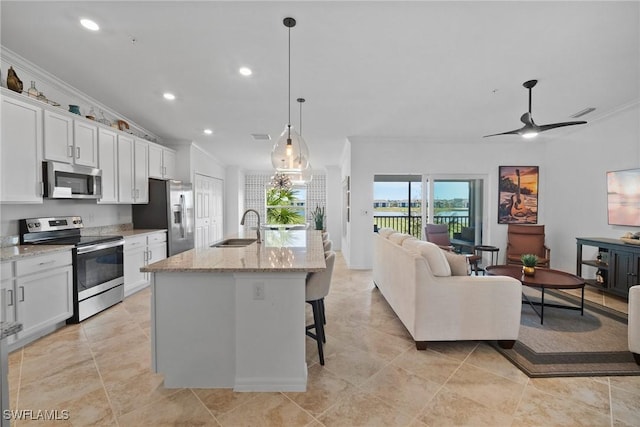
(193, 329)
(270, 338)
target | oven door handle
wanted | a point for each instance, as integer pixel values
(100, 246)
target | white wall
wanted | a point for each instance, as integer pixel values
(345, 227)
(576, 190)
(234, 199)
(333, 222)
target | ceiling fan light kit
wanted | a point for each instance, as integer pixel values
(290, 152)
(530, 128)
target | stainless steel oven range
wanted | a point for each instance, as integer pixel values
(98, 273)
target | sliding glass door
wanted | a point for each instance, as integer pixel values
(397, 203)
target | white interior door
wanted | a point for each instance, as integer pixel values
(209, 210)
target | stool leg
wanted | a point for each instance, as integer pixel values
(317, 319)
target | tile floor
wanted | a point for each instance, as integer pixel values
(99, 372)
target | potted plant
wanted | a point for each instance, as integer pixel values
(318, 217)
(529, 262)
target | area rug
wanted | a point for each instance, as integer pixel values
(571, 345)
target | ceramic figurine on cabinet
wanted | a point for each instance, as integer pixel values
(13, 82)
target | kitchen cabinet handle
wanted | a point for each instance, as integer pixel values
(21, 294)
(150, 255)
(69, 150)
(47, 262)
(78, 152)
(133, 193)
(10, 292)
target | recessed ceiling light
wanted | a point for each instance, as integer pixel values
(169, 96)
(89, 24)
(208, 131)
(245, 71)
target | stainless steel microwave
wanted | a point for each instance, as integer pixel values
(65, 181)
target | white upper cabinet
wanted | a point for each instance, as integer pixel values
(20, 152)
(58, 137)
(169, 163)
(85, 137)
(133, 170)
(141, 171)
(70, 141)
(162, 162)
(125, 169)
(108, 163)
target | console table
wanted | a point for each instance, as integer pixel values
(619, 265)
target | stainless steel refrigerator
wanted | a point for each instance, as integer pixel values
(170, 207)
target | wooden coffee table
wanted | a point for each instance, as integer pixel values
(544, 278)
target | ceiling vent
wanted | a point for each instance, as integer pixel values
(261, 136)
(583, 112)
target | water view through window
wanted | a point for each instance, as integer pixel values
(398, 203)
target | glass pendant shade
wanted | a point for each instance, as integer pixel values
(290, 152)
(301, 178)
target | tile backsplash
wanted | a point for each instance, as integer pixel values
(256, 185)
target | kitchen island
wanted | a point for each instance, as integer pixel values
(234, 317)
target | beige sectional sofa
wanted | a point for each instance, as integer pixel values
(416, 279)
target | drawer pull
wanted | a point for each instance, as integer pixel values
(47, 262)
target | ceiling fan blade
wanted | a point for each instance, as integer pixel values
(542, 128)
(511, 132)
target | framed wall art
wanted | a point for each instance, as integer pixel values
(518, 194)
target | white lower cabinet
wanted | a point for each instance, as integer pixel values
(139, 251)
(37, 292)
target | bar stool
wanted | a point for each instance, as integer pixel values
(317, 287)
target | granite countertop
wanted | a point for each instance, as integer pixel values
(9, 328)
(138, 232)
(11, 253)
(280, 251)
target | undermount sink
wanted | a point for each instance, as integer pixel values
(234, 243)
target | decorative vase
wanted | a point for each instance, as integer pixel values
(319, 224)
(13, 82)
(528, 271)
(74, 109)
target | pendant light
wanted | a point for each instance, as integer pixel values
(305, 176)
(290, 152)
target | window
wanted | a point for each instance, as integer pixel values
(286, 206)
(458, 203)
(397, 203)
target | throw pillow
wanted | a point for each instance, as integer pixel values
(435, 258)
(398, 238)
(386, 232)
(458, 263)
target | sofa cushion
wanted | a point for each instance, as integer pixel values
(412, 245)
(398, 238)
(386, 232)
(436, 259)
(458, 263)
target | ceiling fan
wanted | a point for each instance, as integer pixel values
(530, 129)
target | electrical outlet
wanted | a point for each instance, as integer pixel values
(258, 291)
